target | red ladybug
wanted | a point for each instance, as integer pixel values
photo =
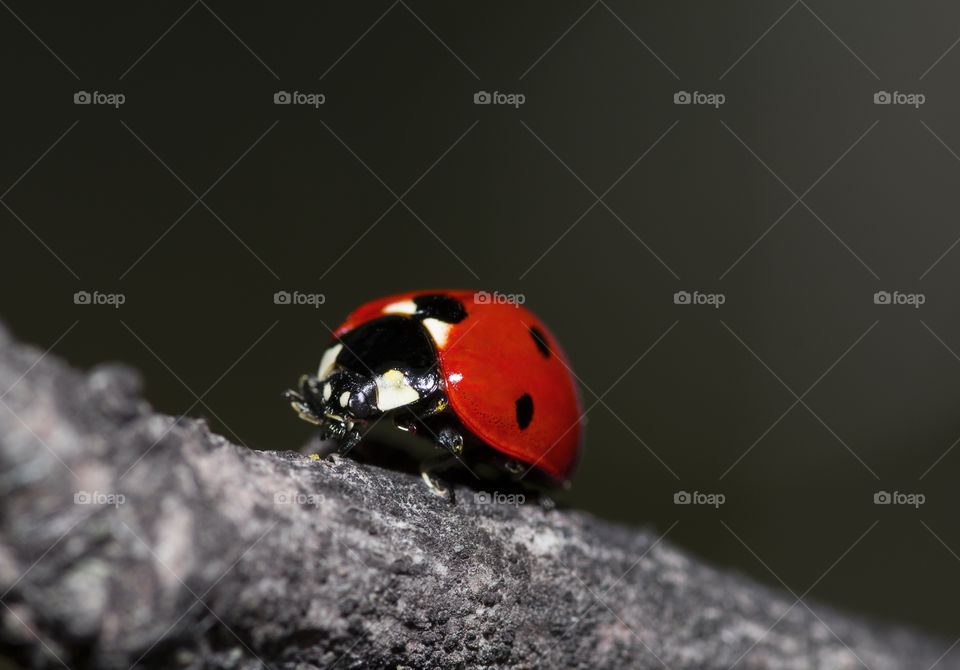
(477, 372)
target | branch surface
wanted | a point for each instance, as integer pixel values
(129, 538)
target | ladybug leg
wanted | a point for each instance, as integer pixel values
(451, 440)
(349, 441)
(305, 402)
(300, 406)
(428, 471)
(405, 422)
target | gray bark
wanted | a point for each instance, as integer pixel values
(194, 552)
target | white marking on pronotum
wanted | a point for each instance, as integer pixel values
(327, 391)
(328, 360)
(344, 398)
(393, 391)
(401, 307)
(440, 331)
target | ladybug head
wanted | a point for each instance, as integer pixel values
(348, 394)
(336, 403)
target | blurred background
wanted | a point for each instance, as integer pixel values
(739, 152)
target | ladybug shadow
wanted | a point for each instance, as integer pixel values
(479, 472)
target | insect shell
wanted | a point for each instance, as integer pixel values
(483, 378)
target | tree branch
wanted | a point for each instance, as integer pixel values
(132, 538)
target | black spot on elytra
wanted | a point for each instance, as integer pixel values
(440, 307)
(524, 410)
(540, 340)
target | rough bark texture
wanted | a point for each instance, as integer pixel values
(218, 556)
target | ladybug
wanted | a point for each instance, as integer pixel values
(483, 377)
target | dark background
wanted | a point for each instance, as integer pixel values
(297, 198)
